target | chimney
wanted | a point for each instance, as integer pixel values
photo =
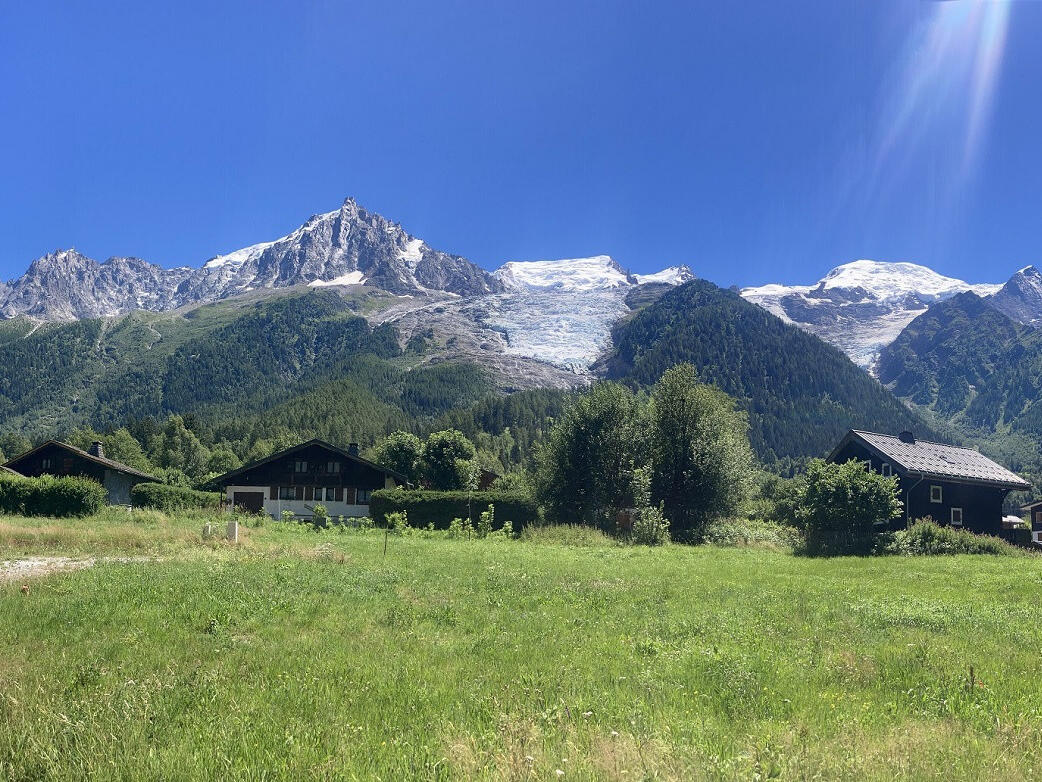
(97, 449)
(906, 437)
(352, 449)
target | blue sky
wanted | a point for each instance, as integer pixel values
(755, 141)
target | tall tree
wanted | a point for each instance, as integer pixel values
(178, 448)
(448, 460)
(400, 451)
(701, 460)
(584, 469)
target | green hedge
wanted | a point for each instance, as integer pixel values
(50, 496)
(441, 507)
(173, 498)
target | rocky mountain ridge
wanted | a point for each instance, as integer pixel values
(348, 246)
(863, 306)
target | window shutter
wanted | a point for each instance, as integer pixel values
(274, 492)
(309, 493)
(339, 493)
(300, 492)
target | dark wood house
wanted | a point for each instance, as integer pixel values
(952, 485)
(306, 475)
(60, 459)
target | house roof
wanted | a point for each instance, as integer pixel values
(9, 471)
(225, 479)
(925, 459)
(111, 464)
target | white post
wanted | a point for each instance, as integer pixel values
(207, 531)
(233, 531)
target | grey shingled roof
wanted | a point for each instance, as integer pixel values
(936, 460)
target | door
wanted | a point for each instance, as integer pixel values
(251, 501)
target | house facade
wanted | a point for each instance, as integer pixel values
(61, 459)
(312, 473)
(956, 486)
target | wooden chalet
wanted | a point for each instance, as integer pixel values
(952, 485)
(61, 459)
(306, 475)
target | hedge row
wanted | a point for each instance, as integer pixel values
(50, 496)
(441, 507)
(173, 498)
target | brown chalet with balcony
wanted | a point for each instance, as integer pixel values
(312, 473)
(952, 485)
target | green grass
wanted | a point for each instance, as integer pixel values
(301, 654)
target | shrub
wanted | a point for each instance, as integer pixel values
(488, 517)
(650, 527)
(441, 507)
(926, 537)
(751, 532)
(398, 523)
(320, 516)
(839, 507)
(173, 498)
(50, 496)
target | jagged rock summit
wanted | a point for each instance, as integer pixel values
(348, 246)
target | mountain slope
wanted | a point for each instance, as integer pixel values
(971, 364)
(801, 393)
(861, 306)
(348, 246)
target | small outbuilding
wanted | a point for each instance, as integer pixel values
(312, 473)
(61, 459)
(952, 485)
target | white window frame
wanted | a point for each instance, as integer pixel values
(958, 523)
(940, 493)
(362, 496)
(868, 464)
(45, 464)
(330, 494)
(885, 470)
(300, 466)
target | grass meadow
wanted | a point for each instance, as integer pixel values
(300, 654)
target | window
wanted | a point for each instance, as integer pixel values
(956, 517)
(330, 494)
(362, 497)
(935, 494)
(885, 469)
(300, 466)
(45, 464)
(287, 493)
(868, 464)
(332, 467)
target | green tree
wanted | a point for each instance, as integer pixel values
(120, 445)
(584, 468)
(447, 460)
(178, 448)
(701, 461)
(14, 444)
(839, 506)
(222, 460)
(399, 451)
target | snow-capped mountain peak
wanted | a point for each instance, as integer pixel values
(673, 275)
(597, 273)
(863, 305)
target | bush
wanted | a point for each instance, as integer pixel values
(441, 507)
(926, 537)
(50, 496)
(840, 506)
(173, 498)
(752, 532)
(650, 527)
